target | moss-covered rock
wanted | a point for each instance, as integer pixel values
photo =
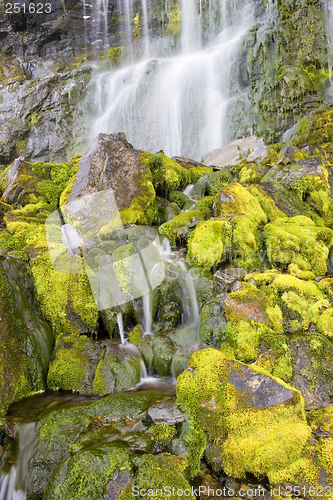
(74, 364)
(209, 242)
(299, 241)
(88, 474)
(26, 340)
(223, 409)
(162, 472)
(251, 316)
(167, 175)
(315, 129)
(118, 369)
(179, 229)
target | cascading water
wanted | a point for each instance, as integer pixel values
(177, 102)
(13, 483)
(121, 327)
(147, 319)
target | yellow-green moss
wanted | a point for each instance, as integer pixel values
(70, 368)
(237, 200)
(263, 442)
(208, 242)
(297, 240)
(166, 173)
(177, 230)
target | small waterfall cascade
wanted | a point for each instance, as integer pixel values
(13, 482)
(121, 327)
(147, 315)
(175, 94)
(329, 27)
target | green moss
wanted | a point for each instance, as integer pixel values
(248, 175)
(66, 300)
(251, 316)
(177, 230)
(86, 474)
(162, 432)
(167, 175)
(70, 368)
(262, 442)
(135, 336)
(315, 129)
(159, 472)
(124, 373)
(216, 180)
(325, 322)
(207, 202)
(297, 240)
(209, 242)
(237, 200)
(196, 172)
(266, 203)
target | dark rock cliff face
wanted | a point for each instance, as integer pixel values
(47, 61)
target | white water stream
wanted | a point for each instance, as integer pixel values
(173, 97)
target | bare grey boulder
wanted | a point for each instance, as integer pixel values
(165, 413)
(252, 149)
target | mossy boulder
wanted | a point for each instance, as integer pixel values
(74, 364)
(26, 340)
(90, 474)
(162, 472)
(112, 163)
(25, 183)
(307, 178)
(119, 368)
(179, 229)
(257, 427)
(298, 243)
(315, 128)
(251, 316)
(167, 174)
(312, 369)
(71, 431)
(209, 243)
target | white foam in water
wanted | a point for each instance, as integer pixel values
(175, 100)
(121, 327)
(147, 315)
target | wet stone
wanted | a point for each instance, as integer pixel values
(251, 149)
(165, 413)
(258, 390)
(121, 480)
(229, 276)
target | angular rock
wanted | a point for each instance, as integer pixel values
(110, 163)
(113, 488)
(229, 276)
(165, 413)
(258, 390)
(250, 310)
(312, 369)
(251, 149)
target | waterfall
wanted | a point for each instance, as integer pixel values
(121, 327)
(174, 98)
(13, 483)
(147, 316)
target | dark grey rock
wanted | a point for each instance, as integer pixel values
(312, 369)
(113, 488)
(258, 390)
(165, 413)
(110, 162)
